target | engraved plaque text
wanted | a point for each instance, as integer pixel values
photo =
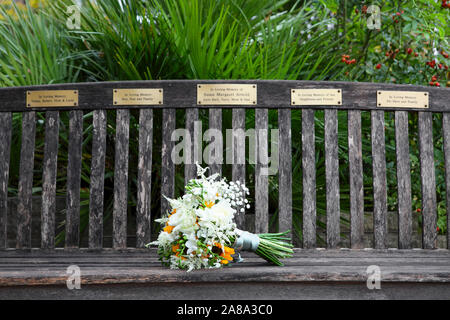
(226, 94)
(52, 98)
(131, 97)
(316, 97)
(402, 99)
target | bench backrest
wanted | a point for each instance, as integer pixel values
(356, 98)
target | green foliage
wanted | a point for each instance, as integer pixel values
(34, 50)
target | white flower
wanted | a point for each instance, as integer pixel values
(204, 214)
(191, 244)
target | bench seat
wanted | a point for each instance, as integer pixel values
(38, 267)
(310, 274)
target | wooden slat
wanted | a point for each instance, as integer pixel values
(190, 169)
(215, 122)
(428, 180)
(379, 180)
(403, 180)
(285, 171)
(74, 179)
(121, 179)
(26, 180)
(5, 150)
(49, 180)
(261, 177)
(446, 135)
(97, 179)
(143, 209)
(309, 179)
(332, 178)
(356, 179)
(168, 166)
(183, 94)
(238, 167)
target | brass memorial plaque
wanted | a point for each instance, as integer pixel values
(52, 98)
(131, 97)
(316, 97)
(402, 99)
(226, 94)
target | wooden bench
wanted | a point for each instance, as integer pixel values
(122, 271)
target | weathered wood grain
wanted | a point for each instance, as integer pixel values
(74, 179)
(379, 180)
(26, 180)
(238, 151)
(120, 206)
(332, 178)
(190, 169)
(182, 94)
(216, 156)
(167, 164)
(306, 265)
(428, 180)
(48, 210)
(143, 209)
(309, 179)
(5, 150)
(97, 185)
(356, 179)
(285, 171)
(403, 180)
(261, 174)
(446, 135)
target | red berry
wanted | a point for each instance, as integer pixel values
(398, 13)
(431, 83)
(440, 65)
(409, 50)
(378, 66)
(416, 54)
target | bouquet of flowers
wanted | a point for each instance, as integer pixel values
(199, 231)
